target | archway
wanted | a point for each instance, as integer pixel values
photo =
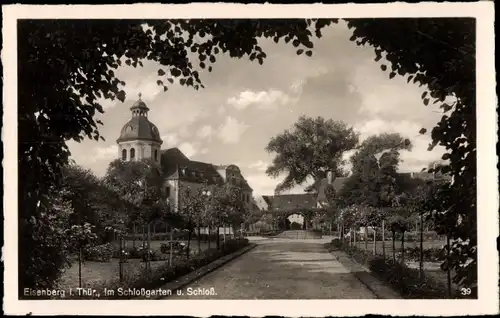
(285, 220)
(296, 221)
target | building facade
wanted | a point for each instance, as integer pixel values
(140, 139)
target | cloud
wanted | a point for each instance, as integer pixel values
(105, 153)
(231, 131)
(259, 165)
(205, 131)
(339, 81)
(188, 149)
(221, 110)
(416, 159)
(265, 100)
(262, 184)
(170, 139)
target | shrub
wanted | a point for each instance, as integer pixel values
(430, 254)
(406, 280)
(177, 248)
(99, 253)
(269, 233)
(166, 273)
(336, 242)
(158, 236)
(431, 236)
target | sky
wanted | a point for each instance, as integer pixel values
(244, 104)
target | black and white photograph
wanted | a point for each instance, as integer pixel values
(294, 154)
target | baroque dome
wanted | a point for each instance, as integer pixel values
(139, 127)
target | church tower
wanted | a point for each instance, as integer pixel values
(139, 138)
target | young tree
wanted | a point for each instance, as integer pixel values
(140, 183)
(227, 207)
(192, 204)
(312, 147)
(80, 237)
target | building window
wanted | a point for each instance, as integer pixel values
(124, 154)
(167, 191)
(132, 154)
(156, 154)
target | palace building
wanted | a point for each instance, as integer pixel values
(140, 139)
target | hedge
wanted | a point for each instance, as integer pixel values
(406, 281)
(176, 236)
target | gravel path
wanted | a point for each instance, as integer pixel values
(280, 269)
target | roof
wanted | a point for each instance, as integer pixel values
(177, 166)
(338, 183)
(139, 104)
(260, 202)
(291, 201)
(139, 127)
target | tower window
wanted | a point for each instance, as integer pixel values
(132, 154)
(156, 154)
(124, 154)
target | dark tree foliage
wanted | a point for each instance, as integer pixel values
(310, 148)
(375, 181)
(92, 200)
(439, 54)
(66, 66)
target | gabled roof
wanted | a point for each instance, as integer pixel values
(260, 202)
(179, 167)
(291, 201)
(171, 159)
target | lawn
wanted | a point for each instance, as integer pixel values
(98, 272)
(388, 245)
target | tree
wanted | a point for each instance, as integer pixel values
(92, 201)
(71, 64)
(80, 236)
(374, 180)
(50, 256)
(140, 183)
(192, 204)
(330, 212)
(439, 54)
(312, 147)
(227, 207)
(398, 224)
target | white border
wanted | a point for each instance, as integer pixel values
(487, 303)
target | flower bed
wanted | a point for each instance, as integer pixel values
(165, 273)
(99, 253)
(404, 280)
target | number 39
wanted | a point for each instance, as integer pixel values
(465, 291)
